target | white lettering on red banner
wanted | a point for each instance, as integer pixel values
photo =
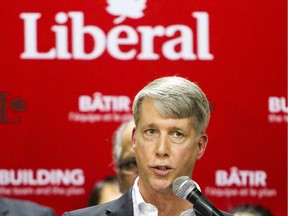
(278, 109)
(102, 108)
(241, 178)
(41, 177)
(104, 103)
(240, 183)
(114, 40)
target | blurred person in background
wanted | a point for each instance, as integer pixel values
(125, 164)
(250, 210)
(104, 191)
(123, 156)
(15, 207)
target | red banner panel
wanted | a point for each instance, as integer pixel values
(70, 71)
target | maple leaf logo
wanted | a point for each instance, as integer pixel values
(18, 104)
(126, 8)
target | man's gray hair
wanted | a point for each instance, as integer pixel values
(175, 97)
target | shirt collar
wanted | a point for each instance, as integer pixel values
(138, 197)
(139, 205)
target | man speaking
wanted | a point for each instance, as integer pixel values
(171, 115)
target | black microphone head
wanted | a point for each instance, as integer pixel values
(182, 186)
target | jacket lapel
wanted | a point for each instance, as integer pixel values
(123, 206)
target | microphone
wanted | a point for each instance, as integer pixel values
(186, 188)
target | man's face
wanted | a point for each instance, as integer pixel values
(165, 148)
(128, 170)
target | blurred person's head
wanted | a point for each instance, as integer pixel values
(123, 155)
(250, 210)
(104, 191)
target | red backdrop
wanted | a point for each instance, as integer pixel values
(70, 71)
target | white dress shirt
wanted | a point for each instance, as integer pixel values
(141, 208)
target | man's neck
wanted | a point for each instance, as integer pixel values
(165, 201)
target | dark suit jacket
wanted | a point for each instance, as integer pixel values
(13, 207)
(120, 207)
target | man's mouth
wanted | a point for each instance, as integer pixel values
(161, 170)
(162, 167)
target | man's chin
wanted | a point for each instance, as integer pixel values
(162, 187)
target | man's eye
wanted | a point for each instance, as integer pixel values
(150, 131)
(177, 137)
(178, 134)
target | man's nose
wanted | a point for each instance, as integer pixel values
(162, 147)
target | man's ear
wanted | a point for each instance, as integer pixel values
(202, 143)
(133, 140)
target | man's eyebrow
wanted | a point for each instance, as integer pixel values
(176, 129)
(151, 125)
(172, 128)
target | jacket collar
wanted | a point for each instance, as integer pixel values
(123, 206)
